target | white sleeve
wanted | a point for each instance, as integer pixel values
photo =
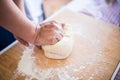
(33, 9)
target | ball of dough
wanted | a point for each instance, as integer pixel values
(63, 48)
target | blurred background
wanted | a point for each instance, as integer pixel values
(38, 10)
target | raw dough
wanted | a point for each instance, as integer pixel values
(63, 48)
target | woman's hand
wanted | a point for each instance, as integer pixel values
(48, 33)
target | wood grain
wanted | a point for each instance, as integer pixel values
(9, 60)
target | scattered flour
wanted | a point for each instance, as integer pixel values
(90, 78)
(26, 67)
(26, 63)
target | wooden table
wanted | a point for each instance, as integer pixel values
(96, 49)
(51, 6)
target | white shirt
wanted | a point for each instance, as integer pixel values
(33, 9)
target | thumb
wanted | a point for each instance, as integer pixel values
(63, 25)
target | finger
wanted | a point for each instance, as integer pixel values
(60, 32)
(52, 26)
(48, 22)
(39, 47)
(52, 21)
(45, 23)
(59, 37)
(42, 24)
(57, 26)
(53, 41)
(63, 25)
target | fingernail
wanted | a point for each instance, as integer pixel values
(63, 25)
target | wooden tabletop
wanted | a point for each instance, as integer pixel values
(96, 50)
(51, 6)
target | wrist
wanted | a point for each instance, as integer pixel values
(30, 34)
(33, 33)
(36, 35)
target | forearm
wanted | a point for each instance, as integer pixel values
(20, 5)
(15, 21)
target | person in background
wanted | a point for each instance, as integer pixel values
(13, 18)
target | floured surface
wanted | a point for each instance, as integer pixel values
(83, 64)
(94, 56)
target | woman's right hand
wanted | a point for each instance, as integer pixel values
(48, 33)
